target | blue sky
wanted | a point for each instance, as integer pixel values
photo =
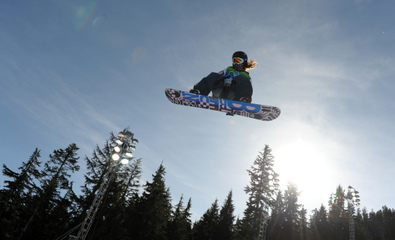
(74, 71)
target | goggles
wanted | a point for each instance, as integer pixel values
(238, 60)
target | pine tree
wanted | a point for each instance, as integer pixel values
(155, 208)
(292, 213)
(376, 225)
(361, 229)
(179, 227)
(225, 227)
(98, 165)
(303, 228)
(187, 220)
(289, 219)
(133, 216)
(206, 227)
(319, 224)
(56, 175)
(338, 217)
(275, 226)
(16, 192)
(388, 222)
(238, 227)
(260, 194)
(122, 188)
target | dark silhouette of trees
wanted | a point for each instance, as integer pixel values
(48, 207)
(216, 223)
(206, 227)
(38, 202)
(155, 207)
(319, 224)
(259, 193)
(225, 227)
(16, 197)
(180, 225)
(287, 217)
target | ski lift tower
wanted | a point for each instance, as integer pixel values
(122, 151)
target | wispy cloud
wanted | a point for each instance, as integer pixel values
(56, 106)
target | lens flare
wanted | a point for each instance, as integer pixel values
(84, 13)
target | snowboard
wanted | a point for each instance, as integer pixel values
(250, 110)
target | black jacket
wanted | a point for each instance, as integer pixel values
(214, 82)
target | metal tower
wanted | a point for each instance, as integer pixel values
(121, 151)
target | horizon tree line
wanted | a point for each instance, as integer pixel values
(38, 202)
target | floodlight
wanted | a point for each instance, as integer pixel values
(117, 149)
(129, 155)
(115, 157)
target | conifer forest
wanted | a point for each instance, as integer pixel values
(37, 201)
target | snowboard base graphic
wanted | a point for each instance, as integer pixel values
(251, 110)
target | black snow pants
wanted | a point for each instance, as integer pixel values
(214, 82)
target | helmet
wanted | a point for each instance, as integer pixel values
(239, 60)
(240, 54)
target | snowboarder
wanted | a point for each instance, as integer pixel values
(232, 83)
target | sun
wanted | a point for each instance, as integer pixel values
(305, 162)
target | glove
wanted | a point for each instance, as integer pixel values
(245, 99)
(227, 82)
